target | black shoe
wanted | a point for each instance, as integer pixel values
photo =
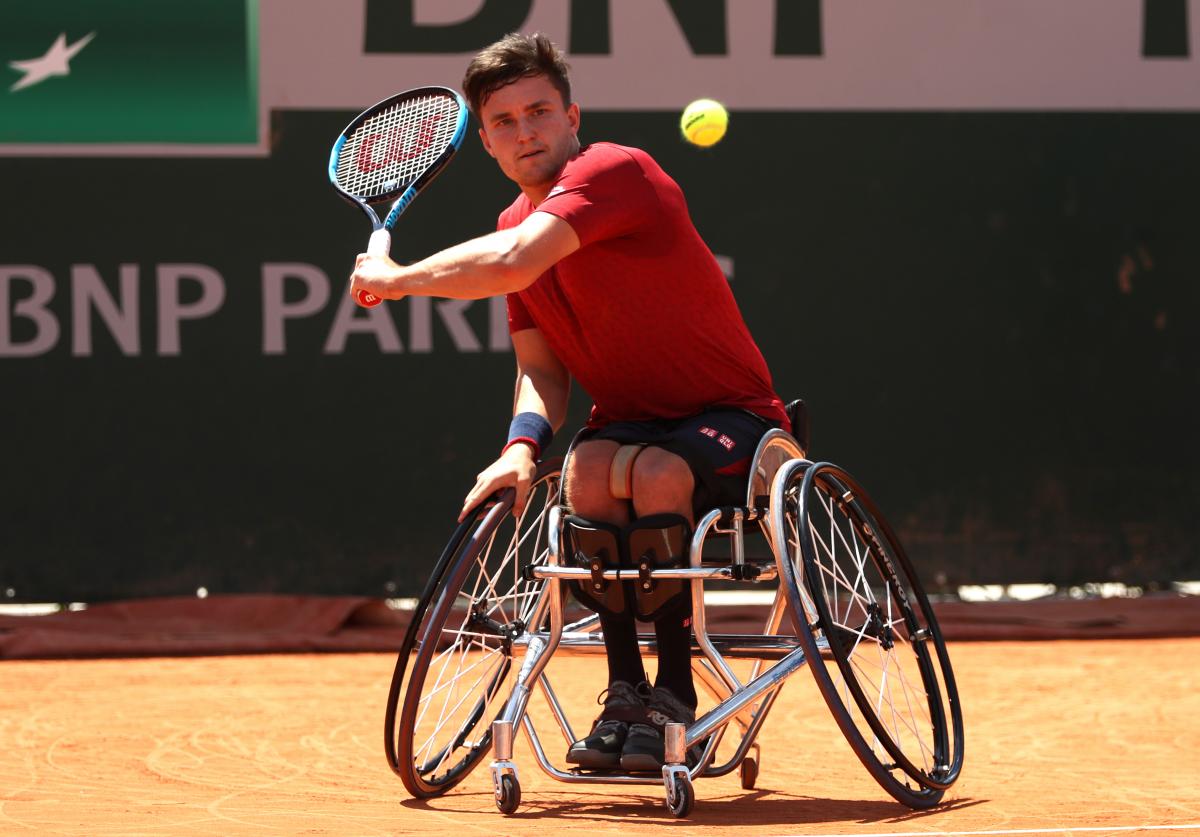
(602, 748)
(644, 746)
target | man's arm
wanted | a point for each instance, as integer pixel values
(498, 263)
(543, 387)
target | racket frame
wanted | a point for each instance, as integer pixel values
(404, 193)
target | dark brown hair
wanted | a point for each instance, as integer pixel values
(510, 59)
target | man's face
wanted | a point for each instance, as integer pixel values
(529, 131)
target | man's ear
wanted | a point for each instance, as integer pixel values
(573, 117)
(487, 146)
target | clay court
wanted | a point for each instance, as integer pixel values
(1095, 737)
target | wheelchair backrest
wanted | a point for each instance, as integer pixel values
(797, 413)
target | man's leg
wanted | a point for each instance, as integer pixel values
(587, 482)
(588, 496)
(663, 484)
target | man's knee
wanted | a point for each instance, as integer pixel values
(662, 483)
(587, 478)
(658, 481)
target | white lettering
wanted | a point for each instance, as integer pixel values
(172, 310)
(32, 308)
(498, 336)
(88, 293)
(452, 313)
(726, 265)
(276, 310)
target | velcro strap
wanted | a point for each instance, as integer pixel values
(620, 474)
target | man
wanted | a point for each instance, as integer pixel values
(607, 281)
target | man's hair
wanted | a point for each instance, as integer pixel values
(514, 57)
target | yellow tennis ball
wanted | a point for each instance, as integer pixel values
(704, 122)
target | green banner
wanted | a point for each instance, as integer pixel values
(129, 72)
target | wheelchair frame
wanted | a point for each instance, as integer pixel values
(779, 473)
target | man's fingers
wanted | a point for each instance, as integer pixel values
(483, 488)
(522, 495)
(488, 483)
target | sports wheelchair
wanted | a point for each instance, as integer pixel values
(846, 601)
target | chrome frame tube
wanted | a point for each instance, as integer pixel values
(767, 572)
(729, 646)
(699, 619)
(748, 735)
(720, 714)
(556, 708)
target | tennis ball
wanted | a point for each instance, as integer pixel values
(704, 122)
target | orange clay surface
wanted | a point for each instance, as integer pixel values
(1092, 738)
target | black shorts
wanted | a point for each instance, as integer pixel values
(717, 444)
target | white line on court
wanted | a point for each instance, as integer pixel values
(1075, 830)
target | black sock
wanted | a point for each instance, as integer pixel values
(674, 634)
(620, 644)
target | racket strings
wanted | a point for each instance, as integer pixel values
(392, 148)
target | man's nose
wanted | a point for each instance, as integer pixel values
(525, 130)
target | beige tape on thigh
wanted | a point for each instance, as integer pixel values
(620, 475)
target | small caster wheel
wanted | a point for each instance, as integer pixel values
(749, 772)
(684, 799)
(510, 794)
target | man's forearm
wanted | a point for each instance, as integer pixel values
(544, 394)
(498, 263)
(482, 267)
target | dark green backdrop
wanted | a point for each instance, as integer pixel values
(993, 317)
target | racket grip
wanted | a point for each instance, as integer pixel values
(379, 246)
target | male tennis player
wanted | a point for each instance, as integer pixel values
(609, 283)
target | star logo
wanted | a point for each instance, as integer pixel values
(56, 62)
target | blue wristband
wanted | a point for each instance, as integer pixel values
(531, 429)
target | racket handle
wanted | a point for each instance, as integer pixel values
(379, 246)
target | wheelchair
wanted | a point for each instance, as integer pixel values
(847, 602)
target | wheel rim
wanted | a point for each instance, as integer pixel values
(891, 671)
(464, 647)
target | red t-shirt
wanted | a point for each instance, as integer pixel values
(641, 315)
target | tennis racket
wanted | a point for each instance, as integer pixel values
(390, 152)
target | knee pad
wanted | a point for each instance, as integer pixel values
(660, 541)
(620, 473)
(596, 547)
(655, 542)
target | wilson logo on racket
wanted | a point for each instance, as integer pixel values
(400, 148)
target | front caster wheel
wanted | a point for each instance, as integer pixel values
(510, 794)
(681, 801)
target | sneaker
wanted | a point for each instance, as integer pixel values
(602, 747)
(644, 747)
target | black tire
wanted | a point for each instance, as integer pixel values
(510, 794)
(685, 799)
(476, 602)
(870, 635)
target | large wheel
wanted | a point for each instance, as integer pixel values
(872, 641)
(452, 674)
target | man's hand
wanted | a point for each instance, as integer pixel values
(376, 275)
(514, 469)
